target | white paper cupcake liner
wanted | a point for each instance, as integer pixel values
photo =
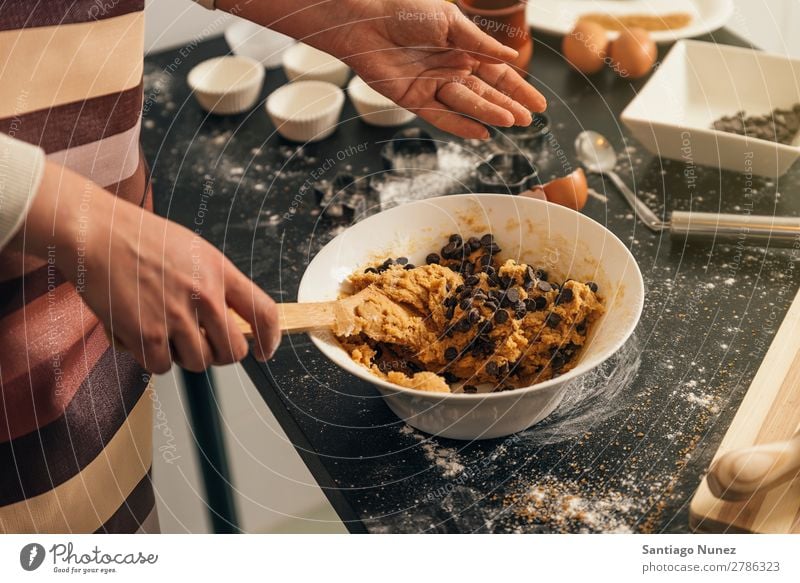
(227, 85)
(374, 108)
(248, 39)
(306, 111)
(302, 62)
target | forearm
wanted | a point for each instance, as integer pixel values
(320, 23)
(65, 212)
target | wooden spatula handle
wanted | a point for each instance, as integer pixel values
(296, 317)
(739, 474)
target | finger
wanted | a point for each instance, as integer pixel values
(521, 114)
(190, 347)
(466, 36)
(505, 79)
(227, 342)
(446, 120)
(258, 309)
(150, 348)
(460, 98)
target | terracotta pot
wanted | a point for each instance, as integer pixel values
(505, 21)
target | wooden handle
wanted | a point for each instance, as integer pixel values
(739, 474)
(296, 317)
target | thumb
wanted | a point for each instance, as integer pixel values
(465, 35)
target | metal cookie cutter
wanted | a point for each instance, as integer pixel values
(346, 196)
(517, 137)
(409, 150)
(508, 174)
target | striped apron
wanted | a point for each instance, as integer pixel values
(75, 416)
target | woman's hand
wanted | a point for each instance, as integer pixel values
(161, 291)
(424, 55)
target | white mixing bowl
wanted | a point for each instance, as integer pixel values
(567, 243)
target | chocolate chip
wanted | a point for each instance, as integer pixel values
(370, 270)
(484, 260)
(409, 266)
(432, 259)
(519, 310)
(487, 240)
(581, 327)
(472, 280)
(449, 301)
(451, 354)
(536, 304)
(465, 303)
(552, 320)
(401, 260)
(449, 251)
(470, 389)
(456, 239)
(474, 315)
(501, 316)
(530, 274)
(450, 312)
(565, 297)
(544, 286)
(557, 362)
(491, 368)
(450, 377)
(459, 289)
(489, 270)
(388, 263)
(493, 249)
(463, 325)
(474, 243)
(513, 295)
(592, 286)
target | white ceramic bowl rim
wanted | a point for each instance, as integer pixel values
(292, 58)
(331, 99)
(360, 90)
(583, 366)
(198, 78)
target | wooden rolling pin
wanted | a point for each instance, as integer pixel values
(739, 474)
(338, 314)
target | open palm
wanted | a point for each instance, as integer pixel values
(429, 58)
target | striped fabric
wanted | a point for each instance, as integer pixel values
(75, 416)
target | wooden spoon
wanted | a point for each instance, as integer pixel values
(739, 474)
(339, 314)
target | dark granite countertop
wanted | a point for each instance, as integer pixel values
(627, 447)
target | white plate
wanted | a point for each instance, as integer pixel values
(567, 243)
(558, 17)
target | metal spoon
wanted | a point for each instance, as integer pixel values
(597, 155)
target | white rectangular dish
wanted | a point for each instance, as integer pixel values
(699, 82)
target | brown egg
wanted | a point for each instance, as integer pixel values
(585, 47)
(570, 191)
(633, 53)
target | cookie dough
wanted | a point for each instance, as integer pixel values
(465, 321)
